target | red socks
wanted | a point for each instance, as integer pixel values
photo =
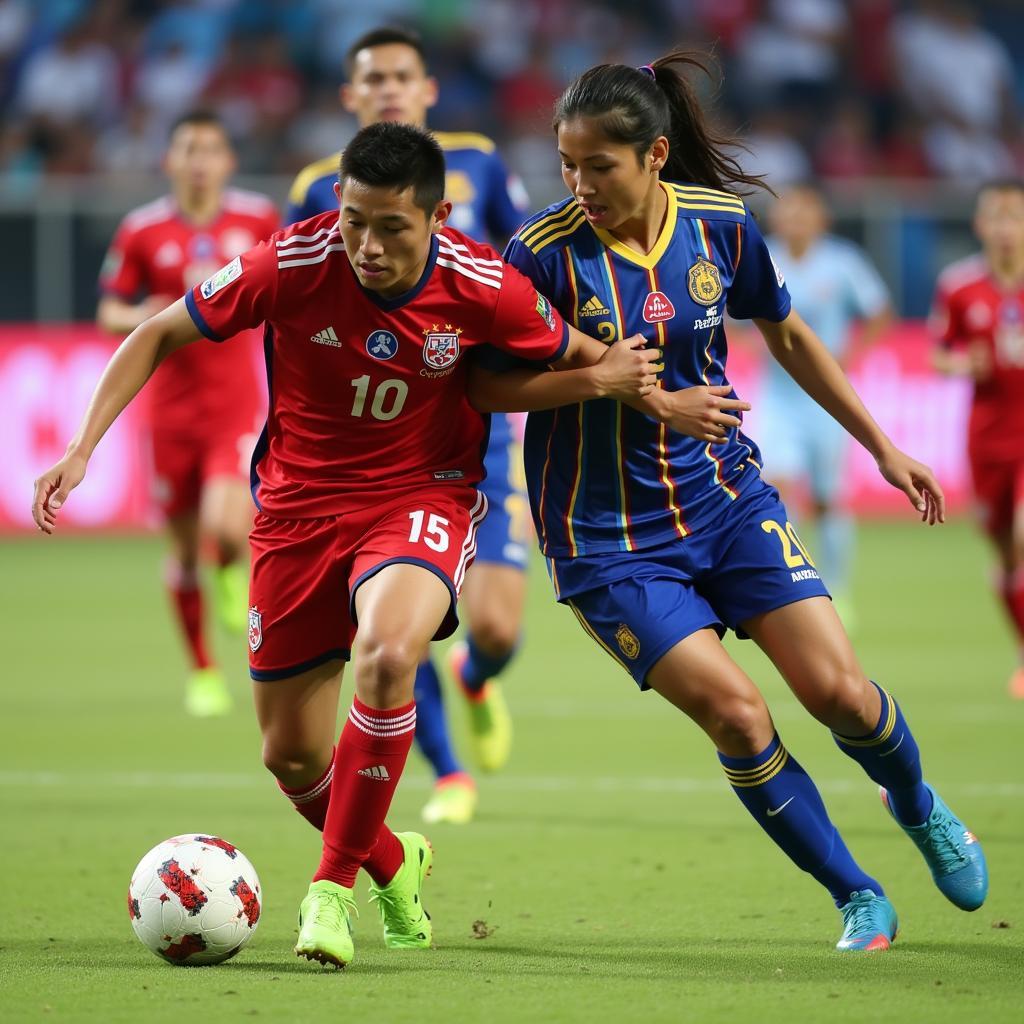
(311, 801)
(187, 598)
(368, 762)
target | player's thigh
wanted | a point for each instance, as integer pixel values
(226, 510)
(994, 485)
(183, 535)
(493, 599)
(807, 643)
(699, 677)
(177, 475)
(297, 716)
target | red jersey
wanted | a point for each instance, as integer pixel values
(368, 394)
(971, 306)
(156, 251)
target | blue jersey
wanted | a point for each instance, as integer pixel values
(603, 477)
(488, 204)
(833, 285)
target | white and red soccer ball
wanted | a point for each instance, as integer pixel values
(194, 899)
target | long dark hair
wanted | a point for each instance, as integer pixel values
(635, 106)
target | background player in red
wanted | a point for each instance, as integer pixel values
(978, 319)
(205, 403)
(365, 477)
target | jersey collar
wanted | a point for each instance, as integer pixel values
(646, 260)
(389, 305)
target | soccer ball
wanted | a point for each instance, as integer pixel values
(194, 899)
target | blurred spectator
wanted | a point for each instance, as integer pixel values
(772, 150)
(171, 81)
(846, 148)
(959, 77)
(133, 147)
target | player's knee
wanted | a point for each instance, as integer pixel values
(496, 635)
(291, 761)
(841, 697)
(740, 722)
(386, 670)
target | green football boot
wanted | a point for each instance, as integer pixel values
(406, 921)
(206, 693)
(490, 724)
(325, 924)
(231, 597)
(452, 802)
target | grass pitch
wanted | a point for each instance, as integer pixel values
(610, 876)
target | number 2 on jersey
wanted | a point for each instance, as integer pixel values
(435, 537)
(794, 554)
(391, 393)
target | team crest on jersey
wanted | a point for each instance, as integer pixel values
(658, 308)
(544, 311)
(705, 282)
(382, 345)
(627, 641)
(221, 278)
(255, 629)
(441, 347)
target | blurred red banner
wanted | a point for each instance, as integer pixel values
(47, 374)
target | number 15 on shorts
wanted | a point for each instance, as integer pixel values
(436, 534)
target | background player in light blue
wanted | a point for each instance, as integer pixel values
(834, 286)
(658, 527)
(388, 81)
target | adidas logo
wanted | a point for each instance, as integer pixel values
(593, 307)
(378, 771)
(326, 337)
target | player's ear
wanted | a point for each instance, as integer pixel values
(442, 212)
(658, 154)
(430, 92)
(347, 97)
(337, 191)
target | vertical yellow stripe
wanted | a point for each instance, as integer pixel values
(716, 461)
(570, 512)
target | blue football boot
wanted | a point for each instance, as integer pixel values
(952, 853)
(869, 923)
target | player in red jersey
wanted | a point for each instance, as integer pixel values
(365, 479)
(205, 405)
(978, 319)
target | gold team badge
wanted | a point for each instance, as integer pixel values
(705, 282)
(627, 641)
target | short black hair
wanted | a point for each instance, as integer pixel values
(386, 36)
(200, 116)
(397, 156)
(1008, 184)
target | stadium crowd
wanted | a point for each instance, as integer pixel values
(837, 88)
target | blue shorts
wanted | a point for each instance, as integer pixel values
(504, 536)
(638, 605)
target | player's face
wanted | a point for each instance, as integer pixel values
(999, 223)
(611, 185)
(389, 83)
(199, 158)
(386, 235)
(799, 217)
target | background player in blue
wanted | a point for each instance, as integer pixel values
(388, 81)
(834, 286)
(659, 537)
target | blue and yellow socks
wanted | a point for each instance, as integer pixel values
(786, 804)
(890, 757)
(431, 726)
(480, 666)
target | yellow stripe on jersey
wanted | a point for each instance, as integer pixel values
(306, 177)
(744, 778)
(593, 634)
(888, 713)
(552, 228)
(708, 199)
(650, 259)
(464, 140)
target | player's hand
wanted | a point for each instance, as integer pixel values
(627, 369)
(917, 482)
(706, 413)
(52, 490)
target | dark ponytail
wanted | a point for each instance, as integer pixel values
(635, 106)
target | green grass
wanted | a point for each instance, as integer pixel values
(612, 872)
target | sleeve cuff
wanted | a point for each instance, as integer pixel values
(198, 319)
(562, 345)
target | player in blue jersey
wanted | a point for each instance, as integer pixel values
(661, 537)
(834, 286)
(388, 81)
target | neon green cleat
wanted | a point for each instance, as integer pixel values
(406, 921)
(207, 694)
(453, 801)
(231, 597)
(325, 924)
(490, 724)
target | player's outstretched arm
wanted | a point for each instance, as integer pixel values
(805, 358)
(588, 369)
(129, 368)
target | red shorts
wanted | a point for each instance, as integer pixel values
(999, 491)
(305, 572)
(183, 465)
